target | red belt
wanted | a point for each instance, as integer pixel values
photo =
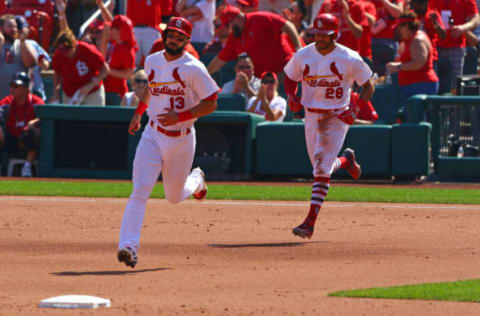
(170, 133)
(320, 111)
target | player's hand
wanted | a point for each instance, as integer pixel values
(294, 103)
(135, 124)
(349, 116)
(169, 118)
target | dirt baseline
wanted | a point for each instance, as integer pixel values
(233, 257)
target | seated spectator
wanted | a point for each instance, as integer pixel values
(201, 14)
(245, 82)
(219, 40)
(415, 64)
(367, 113)
(16, 54)
(118, 45)
(267, 102)
(80, 68)
(22, 127)
(139, 87)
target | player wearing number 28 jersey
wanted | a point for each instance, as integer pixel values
(327, 71)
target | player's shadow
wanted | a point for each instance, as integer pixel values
(263, 245)
(82, 273)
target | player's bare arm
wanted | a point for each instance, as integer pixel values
(171, 117)
(368, 88)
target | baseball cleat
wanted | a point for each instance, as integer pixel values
(128, 256)
(202, 191)
(353, 168)
(304, 231)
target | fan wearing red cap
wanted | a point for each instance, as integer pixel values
(180, 90)
(119, 50)
(262, 35)
(327, 71)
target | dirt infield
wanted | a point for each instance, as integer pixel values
(233, 257)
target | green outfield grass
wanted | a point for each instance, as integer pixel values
(462, 291)
(246, 192)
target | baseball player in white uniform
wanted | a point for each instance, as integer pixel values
(180, 90)
(327, 71)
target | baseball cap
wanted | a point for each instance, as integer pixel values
(97, 24)
(228, 14)
(269, 73)
(181, 25)
(21, 21)
(21, 79)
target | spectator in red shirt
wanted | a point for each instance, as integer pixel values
(146, 16)
(458, 17)
(118, 46)
(22, 127)
(384, 45)
(259, 34)
(351, 18)
(415, 64)
(80, 68)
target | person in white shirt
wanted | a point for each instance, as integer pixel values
(201, 14)
(267, 102)
(139, 86)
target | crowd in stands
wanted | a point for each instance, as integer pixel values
(243, 43)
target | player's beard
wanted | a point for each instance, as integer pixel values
(321, 45)
(175, 51)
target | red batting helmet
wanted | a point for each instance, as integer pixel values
(181, 25)
(326, 23)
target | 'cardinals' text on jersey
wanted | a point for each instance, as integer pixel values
(178, 85)
(327, 80)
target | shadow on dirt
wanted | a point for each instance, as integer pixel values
(82, 273)
(267, 245)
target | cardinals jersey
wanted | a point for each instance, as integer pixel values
(178, 85)
(327, 80)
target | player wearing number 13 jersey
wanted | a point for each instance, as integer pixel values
(327, 71)
(179, 91)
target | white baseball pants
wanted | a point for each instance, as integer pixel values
(156, 152)
(324, 135)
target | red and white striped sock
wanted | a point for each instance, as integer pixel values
(340, 163)
(319, 192)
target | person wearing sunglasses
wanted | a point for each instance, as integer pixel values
(267, 102)
(139, 88)
(22, 127)
(245, 82)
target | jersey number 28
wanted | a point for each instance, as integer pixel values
(332, 93)
(177, 103)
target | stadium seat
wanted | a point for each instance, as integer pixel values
(47, 6)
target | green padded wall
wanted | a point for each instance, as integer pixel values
(411, 149)
(281, 150)
(231, 102)
(466, 167)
